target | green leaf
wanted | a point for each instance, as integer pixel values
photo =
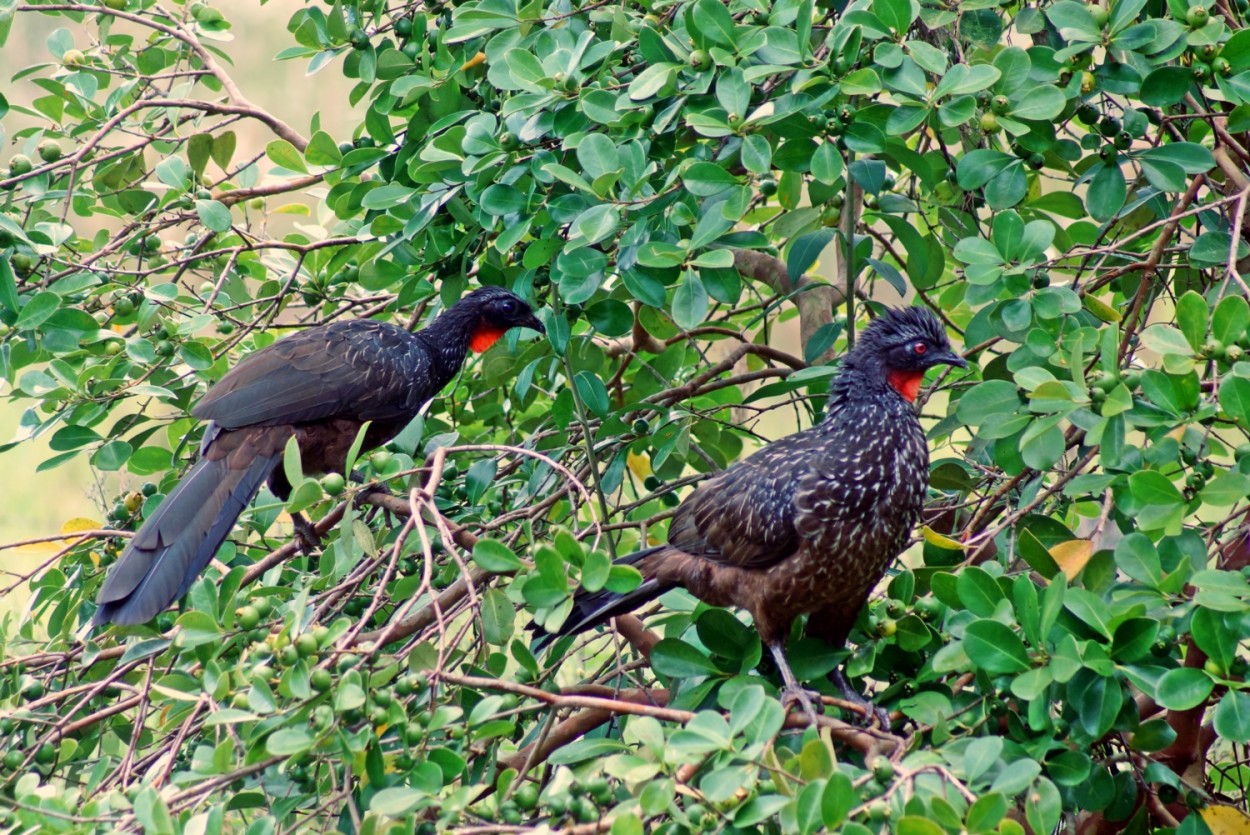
(283, 154)
(495, 557)
(678, 659)
(1166, 86)
(213, 214)
(38, 310)
(995, 648)
(1152, 487)
(1234, 399)
(896, 14)
(984, 400)
(1183, 688)
(1232, 717)
(1230, 318)
(1191, 317)
(289, 742)
(1042, 102)
(498, 617)
(706, 179)
(804, 251)
(1107, 192)
(690, 301)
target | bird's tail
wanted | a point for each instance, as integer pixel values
(595, 608)
(179, 539)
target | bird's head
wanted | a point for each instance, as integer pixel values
(495, 311)
(900, 346)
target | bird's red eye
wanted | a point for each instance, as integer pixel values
(920, 348)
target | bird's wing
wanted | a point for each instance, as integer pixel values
(745, 516)
(342, 369)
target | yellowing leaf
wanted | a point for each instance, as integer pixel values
(293, 209)
(80, 523)
(639, 465)
(1072, 555)
(1102, 310)
(1226, 820)
(939, 540)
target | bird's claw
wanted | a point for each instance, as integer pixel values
(306, 538)
(869, 710)
(804, 698)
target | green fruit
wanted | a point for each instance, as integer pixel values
(49, 150)
(882, 769)
(22, 263)
(46, 755)
(165, 348)
(989, 123)
(247, 617)
(1208, 52)
(321, 680)
(1198, 16)
(1200, 71)
(1088, 114)
(13, 759)
(1101, 14)
(1108, 153)
(346, 662)
(413, 733)
(1213, 348)
(1001, 104)
(34, 690)
(358, 38)
(526, 796)
(73, 58)
(380, 460)
(333, 483)
(1036, 162)
(115, 5)
(20, 164)
(768, 186)
(700, 60)
(508, 141)
(1108, 126)
(847, 114)
(403, 27)
(1222, 66)
(306, 645)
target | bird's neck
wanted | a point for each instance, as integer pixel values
(866, 382)
(448, 338)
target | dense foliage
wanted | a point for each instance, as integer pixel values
(1065, 183)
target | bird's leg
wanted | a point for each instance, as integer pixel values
(852, 695)
(306, 537)
(793, 692)
(367, 489)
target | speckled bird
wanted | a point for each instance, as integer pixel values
(810, 523)
(320, 386)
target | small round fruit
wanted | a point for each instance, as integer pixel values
(49, 150)
(768, 186)
(508, 141)
(1100, 14)
(123, 306)
(1036, 162)
(247, 617)
(20, 164)
(358, 38)
(321, 680)
(1108, 126)
(403, 27)
(306, 645)
(989, 123)
(1200, 71)
(333, 483)
(380, 459)
(700, 60)
(1233, 353)
(1222, 66)
(1001, 104)
(1123, 140)
(1197, 16)
(882, 769)
(526, 796)
(346, 662)
(13, 759)
(46, 755)
(73, 58)
(1088, 114)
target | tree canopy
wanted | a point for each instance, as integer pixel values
(675, 182)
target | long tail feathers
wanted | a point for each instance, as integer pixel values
(177, 542)
(591, 609)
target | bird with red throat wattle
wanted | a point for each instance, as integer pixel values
(809, 524)
(319, 386)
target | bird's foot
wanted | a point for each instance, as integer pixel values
(868, 710)
(366, 490)
(804, 698)
(306, 538)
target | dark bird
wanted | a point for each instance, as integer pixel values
(320, 386)
(809, 523)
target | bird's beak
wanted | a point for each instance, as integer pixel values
(534, 323)
(950, 358)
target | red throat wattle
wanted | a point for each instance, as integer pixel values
(906, 383)
(484, 337)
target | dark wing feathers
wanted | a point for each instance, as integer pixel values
(363, 366)
(745, 516)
